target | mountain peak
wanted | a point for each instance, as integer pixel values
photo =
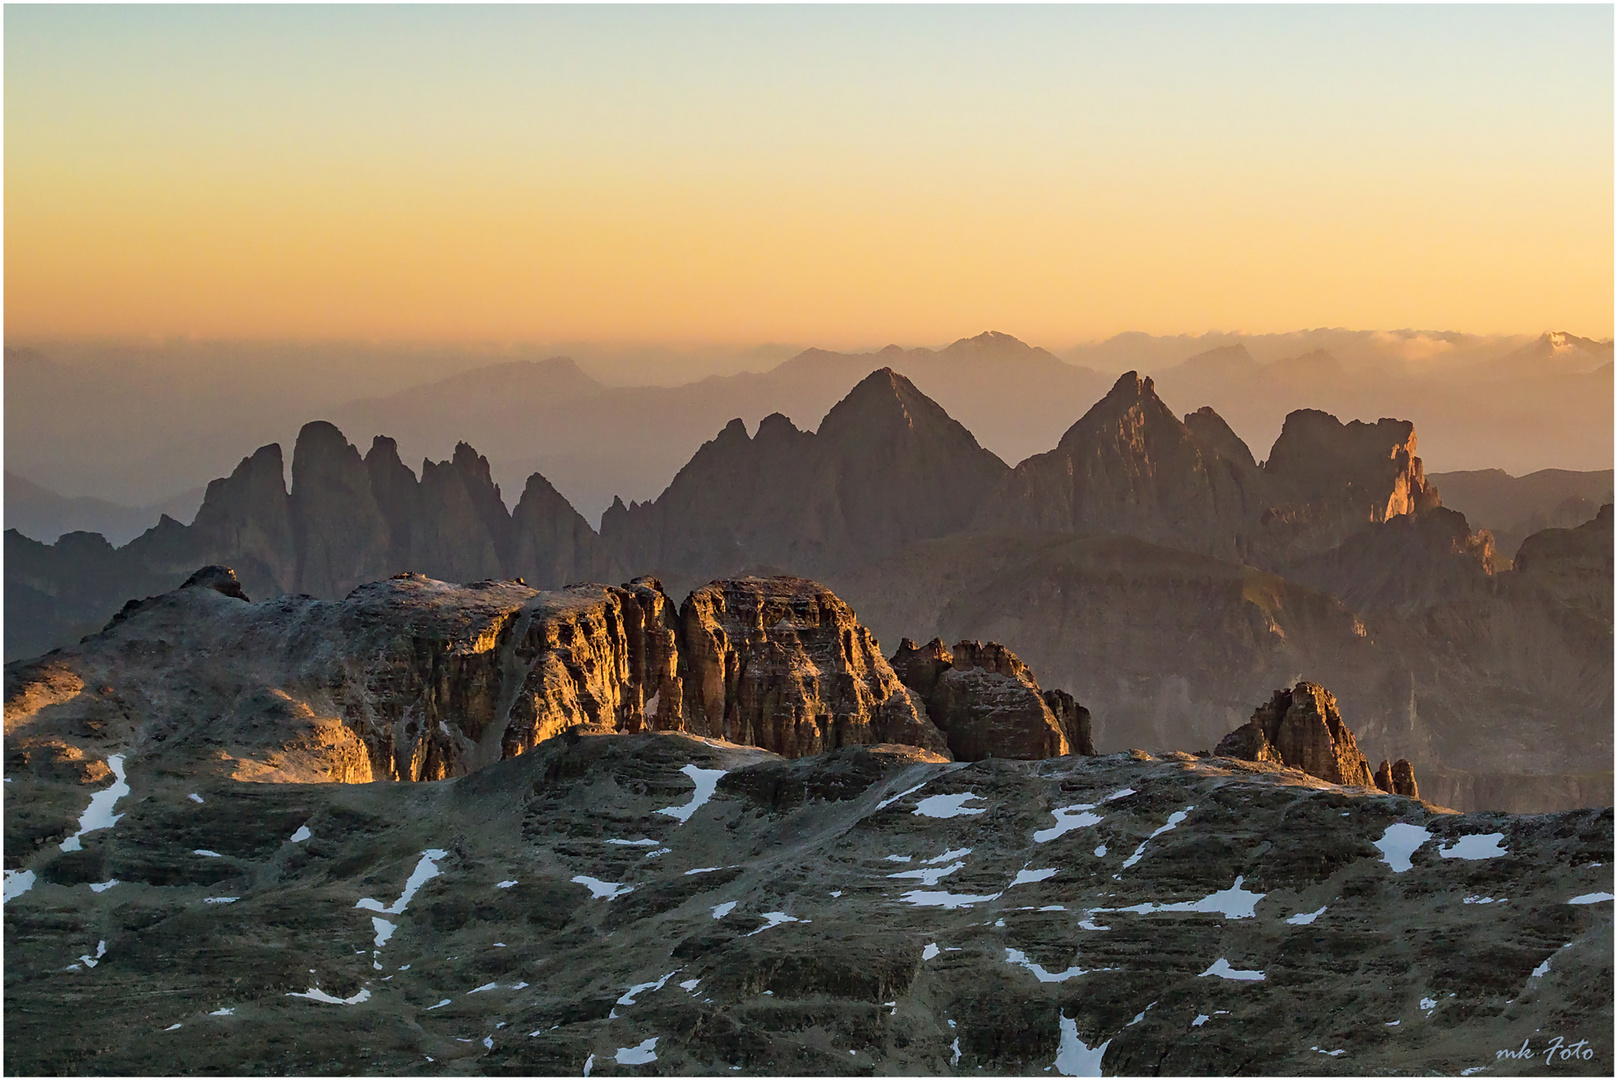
(882, 398)
(989, 341)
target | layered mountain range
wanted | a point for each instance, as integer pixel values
(1148, 563)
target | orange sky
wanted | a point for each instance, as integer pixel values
(833, 176)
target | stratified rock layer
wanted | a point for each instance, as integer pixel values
(1301, 728)
(414, 679)
(988, 704)
(783, 664)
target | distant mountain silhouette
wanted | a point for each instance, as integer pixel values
(42, 514)
(595, 443)
(888, 466)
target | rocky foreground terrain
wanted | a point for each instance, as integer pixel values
(662, 903)
(490, 829)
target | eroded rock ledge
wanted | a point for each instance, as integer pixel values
(414, 679)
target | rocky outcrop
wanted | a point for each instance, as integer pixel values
(887, 466)
(338, 531)
(1328, 480)
(988, 704)
(409, 678)
(783, 664)
(1398, 778)
(1301, 729)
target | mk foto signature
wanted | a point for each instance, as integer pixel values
(1558, 1050)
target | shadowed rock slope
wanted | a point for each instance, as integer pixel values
(1131, 466)
(887, 466)
(663, 904)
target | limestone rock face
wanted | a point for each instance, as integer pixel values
(551, 543)
(1398, 778)
(783, 664)
(409, 678)
(245, 520)
(1328, 480)
(1301, 729)
(988, 704)
(338, 530)
(1073, 719)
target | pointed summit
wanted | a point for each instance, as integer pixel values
(887, 466)
(1130, 466)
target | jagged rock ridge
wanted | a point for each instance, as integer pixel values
(1301, 728)
(1131, 466)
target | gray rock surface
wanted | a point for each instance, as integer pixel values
(588, 906)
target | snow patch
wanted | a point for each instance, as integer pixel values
(635, 843)
(1305, 918)
(194, 797)
(929, 952)
(644, 1054)
(777, 918)
(1019, 958)
(945, 899)
(102, 886)
(1073, 1057)
(1592, 898)
(301, 835)
(314, 993)
(17, 882)
(603, 890)
(949, 806)
(1028, 877)
(424, 871)
(929, 875)
(504, 884)
(894, 798)
(721, 910)
(1476, 846)
(1221, 968)
(206, 854)
(1068, 818)
(1399, 842)
(707, 782)
(1173, 822)
(1232, 903)
(99, 815)
(640, 988)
